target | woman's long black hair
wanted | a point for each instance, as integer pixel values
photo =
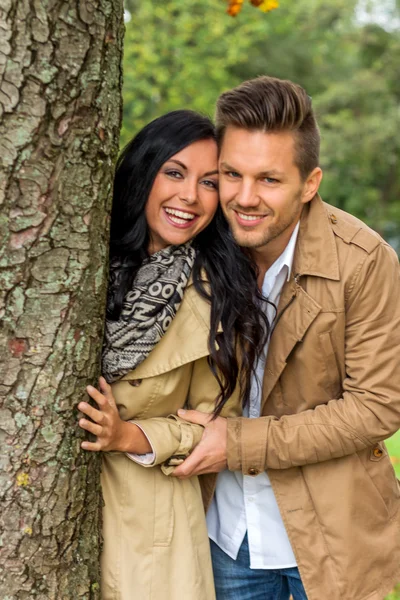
(231, 286)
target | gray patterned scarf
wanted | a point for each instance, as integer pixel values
(148, 309)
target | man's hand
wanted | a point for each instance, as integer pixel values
(111, 431)
(209, 456)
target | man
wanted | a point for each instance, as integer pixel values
(306, 502)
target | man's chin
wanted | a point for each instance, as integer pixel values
(248, 240)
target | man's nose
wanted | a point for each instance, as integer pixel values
(247, 196)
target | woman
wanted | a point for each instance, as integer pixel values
(182, 307)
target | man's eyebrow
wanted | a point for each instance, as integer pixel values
(271, 173)
(268, 173)
(226, 166)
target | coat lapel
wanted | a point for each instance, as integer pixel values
(185, 341)
(297, 311)
(315, 255)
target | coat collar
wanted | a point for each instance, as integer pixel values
(316, 252)
(185, 341)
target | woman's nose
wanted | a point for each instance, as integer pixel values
(188, 194)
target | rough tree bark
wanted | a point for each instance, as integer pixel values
(60, 109)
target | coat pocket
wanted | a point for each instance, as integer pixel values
(164, 515)
(382, 473)
(332, 373)
(380, 470)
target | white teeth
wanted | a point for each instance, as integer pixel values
(180, 213)
(178, 221)
(250, 217)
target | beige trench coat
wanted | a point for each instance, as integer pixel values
(155, 539)
(331, 395)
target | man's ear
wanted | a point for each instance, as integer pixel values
(311, 185)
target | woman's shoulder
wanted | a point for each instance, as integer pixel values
(195, 304)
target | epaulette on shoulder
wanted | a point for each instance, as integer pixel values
(366, 239)
(353, 231)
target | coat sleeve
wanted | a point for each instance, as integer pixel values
(369, 409)
(173, 439)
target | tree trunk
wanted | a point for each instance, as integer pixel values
(60, 110)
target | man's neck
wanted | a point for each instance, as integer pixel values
(265, 256)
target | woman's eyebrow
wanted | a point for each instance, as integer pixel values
(178, 162)
(181, 164)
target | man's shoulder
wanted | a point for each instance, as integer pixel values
(351, 230)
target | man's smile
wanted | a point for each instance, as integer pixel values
(248, 220)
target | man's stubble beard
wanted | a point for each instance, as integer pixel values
(267, 236)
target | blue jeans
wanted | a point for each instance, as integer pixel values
(234, 580)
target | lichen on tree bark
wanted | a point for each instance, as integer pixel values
(60, 111)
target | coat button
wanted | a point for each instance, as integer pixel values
(253, 471)
(333, 218)
(377, 452)
(135, 382)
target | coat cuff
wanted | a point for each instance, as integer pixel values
(171, 439)
(146, 460)
(246, 445)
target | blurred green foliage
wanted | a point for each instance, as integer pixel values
(395, 594)
(184, 53)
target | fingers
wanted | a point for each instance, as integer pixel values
(104, 398)
(187, 468)
(97, 396)
(91, 446)
(104, 421)
(90, 411)
(91, 427)
(195, 416)
(107, 391)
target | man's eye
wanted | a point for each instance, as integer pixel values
(232, 174)
(270, 180)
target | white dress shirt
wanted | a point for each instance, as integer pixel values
(243, 503)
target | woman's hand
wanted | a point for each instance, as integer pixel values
(112, 433)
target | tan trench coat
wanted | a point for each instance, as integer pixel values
(155, 539)
(331, 395)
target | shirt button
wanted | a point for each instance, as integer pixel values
(253, 471)
(135, 382)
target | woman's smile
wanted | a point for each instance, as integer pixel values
(182, 219)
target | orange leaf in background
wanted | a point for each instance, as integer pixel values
(234, 8)
(256, 2)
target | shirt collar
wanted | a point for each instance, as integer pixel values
(286, 258)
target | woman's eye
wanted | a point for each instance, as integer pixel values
(175, 174)
(210, 183)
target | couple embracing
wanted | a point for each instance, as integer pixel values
(251, 367)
